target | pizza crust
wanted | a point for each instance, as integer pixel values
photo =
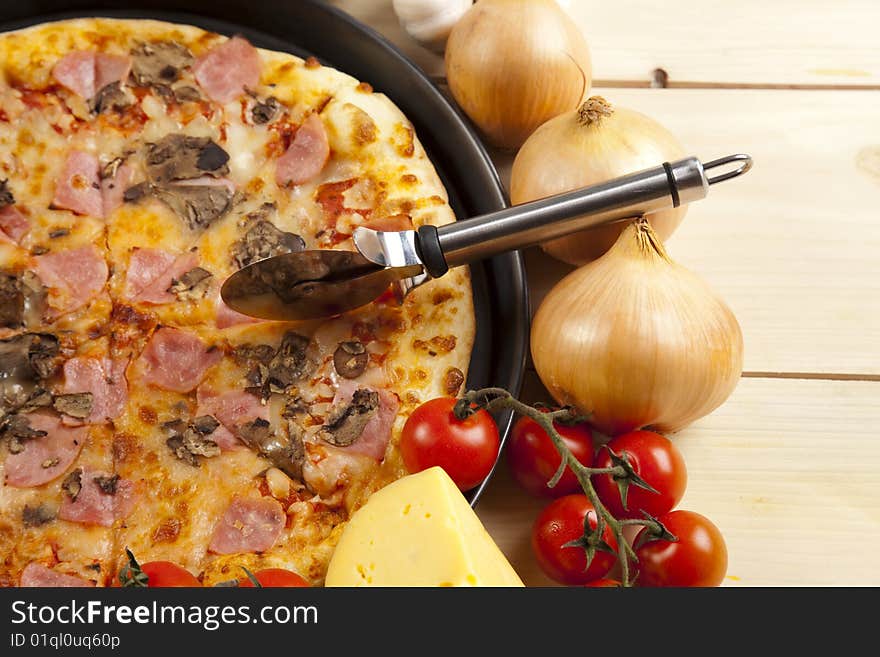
(420, 349)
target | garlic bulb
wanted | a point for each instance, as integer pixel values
(588, 146)
(430, 21)
(637, 340)
(565, 4)
(514, 64)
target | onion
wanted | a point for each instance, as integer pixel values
(637, 340)
(593, 144)
(513, 64)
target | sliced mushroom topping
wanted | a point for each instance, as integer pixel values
(263, 239)
(159, 63)
(137, 192)
(24, 360)
(205, 424)
(22, 299)
(43, 354)
(39, 398)
(264, 111)
(290, 363)
(192, 285)
(186, 94)
(6, 197)
(275, 370)
(189, 442)
(37, 516)
(249, 353)
(35, 298)
(198, 205)
(284, 452)
(346, 423)
(181, 157)
(293, 406)
(107, 484)
(77, 404)
(11, 301)
(17, 430)
(72, 484)
(110, 97)
(174, 426)
(350, 359)
(255, 433)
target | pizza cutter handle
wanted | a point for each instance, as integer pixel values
(666, 186)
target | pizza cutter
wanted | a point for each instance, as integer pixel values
(322, 283)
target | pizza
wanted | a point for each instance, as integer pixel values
(141, 164)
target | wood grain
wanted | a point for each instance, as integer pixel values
(784, 42)
(793, 245)
(789, 470)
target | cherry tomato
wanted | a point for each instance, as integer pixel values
(274, 578)
(603, 583)
(533, 458)
(165, 574)
(656, 460)
(465, 449)
(698, 558)
(559, 523)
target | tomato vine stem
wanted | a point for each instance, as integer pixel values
(495, 399)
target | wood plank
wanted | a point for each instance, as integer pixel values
(788, 469)
(793, 245)
(786, 42)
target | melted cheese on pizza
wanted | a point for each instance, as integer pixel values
(144, 163)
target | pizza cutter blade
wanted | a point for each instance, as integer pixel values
(323, 283)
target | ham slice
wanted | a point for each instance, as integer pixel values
(248, 525)
(105, 379)
(144, 267)
(113, 189)
(394, 223)
(47, 457)
(374, 439)
(307, 154)
(231, 409)
(13, 224)
(151, 272)
(74, 277)
(110, 68)
(37, 575)
(226, 70)
(85, 72)
(94, 506)
(78, 188)
(176, 360)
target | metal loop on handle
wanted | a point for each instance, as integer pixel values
(741, 169)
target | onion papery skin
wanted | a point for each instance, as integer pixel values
(635, 340)
(573, 151)
(512, 65)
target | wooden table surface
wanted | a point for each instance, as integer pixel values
(789, 467)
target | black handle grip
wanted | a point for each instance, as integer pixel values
(428, 247)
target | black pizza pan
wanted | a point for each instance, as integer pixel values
(310, 27)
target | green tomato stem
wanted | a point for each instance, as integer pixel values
(495, 399)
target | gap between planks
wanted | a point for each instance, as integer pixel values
(647, 84)
(816, 376)
(810, 376)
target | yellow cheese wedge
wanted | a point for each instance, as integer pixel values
(418, 531)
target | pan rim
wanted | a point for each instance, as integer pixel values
(480, 189)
